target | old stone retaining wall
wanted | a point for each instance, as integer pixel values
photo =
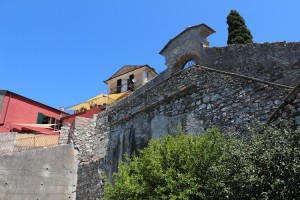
(239, 86)
(64, 134)
(198, 98)
(289, 110)
(91, 147)
(276, 62)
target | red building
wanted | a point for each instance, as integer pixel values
(21, 114)
(87, 114)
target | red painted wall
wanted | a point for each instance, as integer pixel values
(22, 110)
(87, 114)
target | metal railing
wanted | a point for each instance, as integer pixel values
(27, 143)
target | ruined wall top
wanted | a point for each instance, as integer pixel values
(275, 62)
(192, 39)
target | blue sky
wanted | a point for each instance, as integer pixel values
(58, 52)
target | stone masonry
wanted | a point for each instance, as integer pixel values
(198, 98)
(231, 88)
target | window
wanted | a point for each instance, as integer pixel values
(46, 120)
(189, 63)
(119, 85)
(131, 83)
(43, 119)
(53, 120)
(40, 118)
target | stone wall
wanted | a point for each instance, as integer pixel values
(241, 85)
(90, 140)
(275, 62)
(40, 174)
(198, 98)
(2, 97)
(186, 46)
(64, 134)
(289, 110)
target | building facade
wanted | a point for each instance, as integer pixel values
(21, 114)
(129, 78)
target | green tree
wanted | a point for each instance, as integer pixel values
(175, 168)
(267, 166)
(238, 33)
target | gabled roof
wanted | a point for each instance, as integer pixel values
(208, 32)
(128, 68)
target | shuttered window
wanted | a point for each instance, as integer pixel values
(119, 85)
(52, 120)
(40, 118)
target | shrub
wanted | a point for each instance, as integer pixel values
(265, 167)
(175, 168)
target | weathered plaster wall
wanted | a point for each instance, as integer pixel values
(40, 174)
(8, 136)
(7, 142)
(276, 62)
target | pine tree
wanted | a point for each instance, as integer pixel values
(238, 33)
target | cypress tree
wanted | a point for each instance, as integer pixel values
(238, 33)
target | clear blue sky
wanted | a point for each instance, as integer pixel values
(58, 52)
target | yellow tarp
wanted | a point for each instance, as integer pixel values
(99, 100)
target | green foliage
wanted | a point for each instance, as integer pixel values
(265, 167)
(175, 168)
(238, 33)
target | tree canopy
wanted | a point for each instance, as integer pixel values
(238, 33)
(264, 165)
(175, 168)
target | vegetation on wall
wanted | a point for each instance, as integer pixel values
(238, 33)
(208, 166)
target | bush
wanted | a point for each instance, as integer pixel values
(175, 168)
(265, 167)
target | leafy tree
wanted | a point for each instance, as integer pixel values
(175, 168)
(238, 33)
(265, 167)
